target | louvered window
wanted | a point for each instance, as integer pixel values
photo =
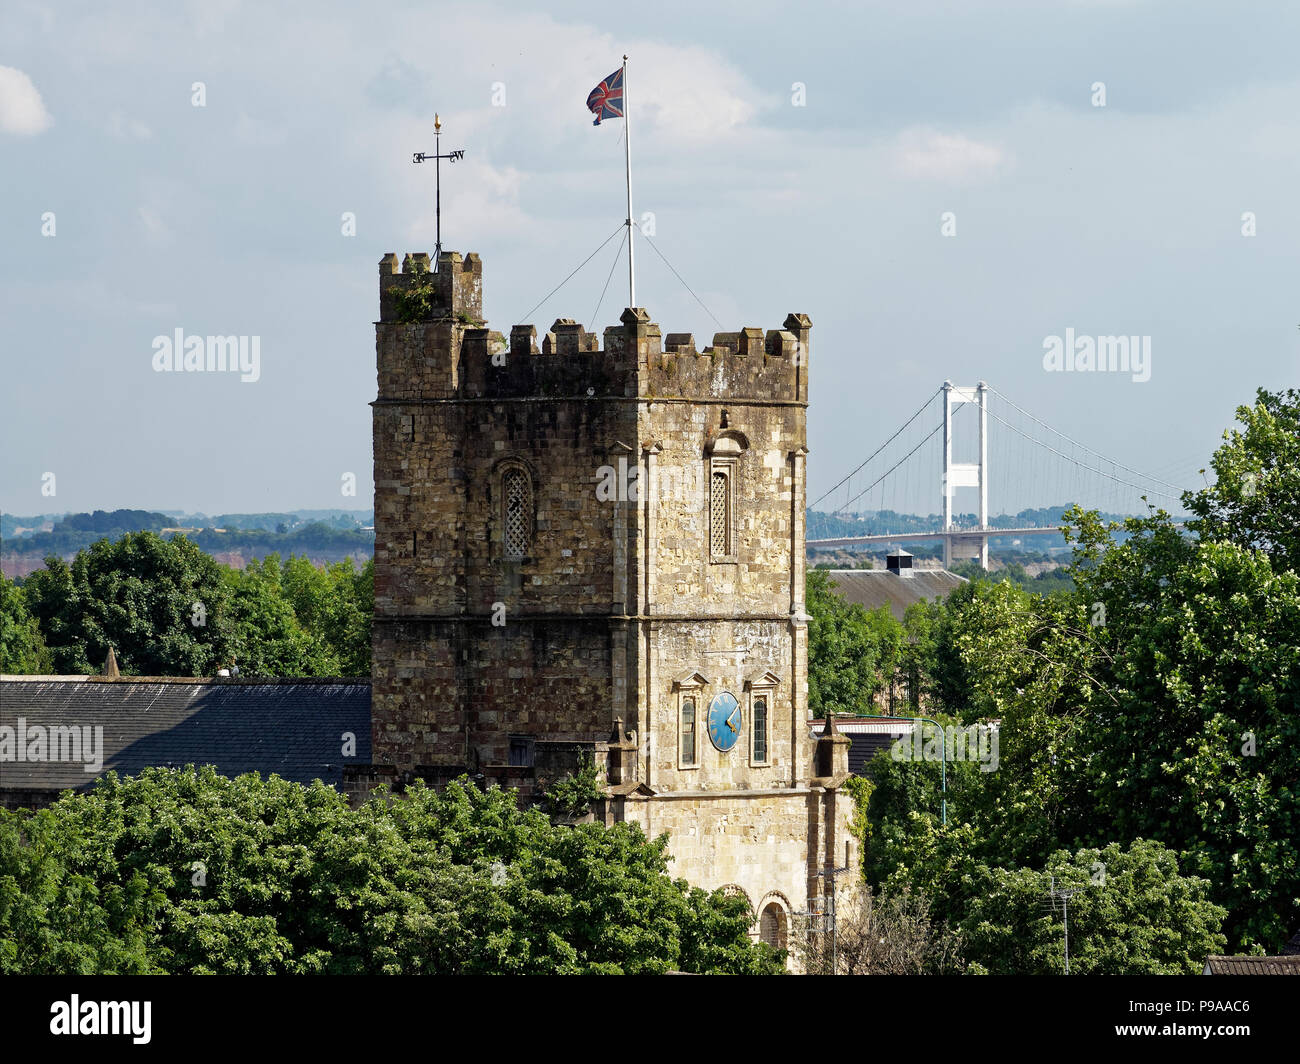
(518, 515)
(719, 515)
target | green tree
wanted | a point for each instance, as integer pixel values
(1155, 703)
(169, 609)
(335, 604)
(188, 871)
(852, 653)
(265, 636)
(57, 921)
(22, 647)
(137, 595)
(1131, 913)
(1255, 499)
(1200, 745)
(571, 797)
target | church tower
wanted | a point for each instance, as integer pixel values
(588, 548)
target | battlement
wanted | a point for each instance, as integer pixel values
(454, 291)
(450, 354)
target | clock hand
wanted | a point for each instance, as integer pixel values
(733, 713)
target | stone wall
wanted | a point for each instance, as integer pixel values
(768, 844)
(627, 594)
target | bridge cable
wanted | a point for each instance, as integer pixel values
(1118, 480)
(932, 433)
(1095, 454)
(891, 439)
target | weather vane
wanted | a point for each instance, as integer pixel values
(437, 158)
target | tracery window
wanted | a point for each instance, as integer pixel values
(720, 513)
(517, 516)
(723, 465)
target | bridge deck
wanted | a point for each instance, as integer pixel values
(907, 537)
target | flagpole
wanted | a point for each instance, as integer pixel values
(627, 135)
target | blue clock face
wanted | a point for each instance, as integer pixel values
(724, 721)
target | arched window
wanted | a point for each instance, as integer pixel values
(688, 731)
(759, 729)
(517, 512)
(772, 926)
(761, 686)
(689, 690)
(723, 464)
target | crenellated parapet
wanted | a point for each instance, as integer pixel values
(450, 354)
(455, 290)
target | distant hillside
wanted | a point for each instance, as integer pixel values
(13, 525)
(887, 522)
(233, 539)
(332, 535)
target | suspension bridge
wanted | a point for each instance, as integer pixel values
(1024, 454)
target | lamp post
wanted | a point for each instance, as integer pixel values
(830, 873)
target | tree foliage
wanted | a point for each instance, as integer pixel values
(883, 934)
(22, 647)
(1130, 913)
(1153, 707)
(1254, 501)
(138, 596)
(169, 609)
(852, 652)
(187, 871)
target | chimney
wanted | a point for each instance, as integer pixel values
(899, 563)
(110, 664)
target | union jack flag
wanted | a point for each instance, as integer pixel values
(606, 99)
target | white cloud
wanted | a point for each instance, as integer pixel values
(21, 108)
(927, 153)
(487, 202)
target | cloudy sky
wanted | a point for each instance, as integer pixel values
(793, 158)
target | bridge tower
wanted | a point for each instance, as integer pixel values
(965, 543)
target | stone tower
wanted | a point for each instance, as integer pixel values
(587, 548)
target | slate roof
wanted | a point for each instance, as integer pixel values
(291, 727)
(873, 588)
(1252, 966)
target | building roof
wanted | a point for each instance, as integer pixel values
(867, 736)
(873, 588)
(291, 727)
(1252, 966)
